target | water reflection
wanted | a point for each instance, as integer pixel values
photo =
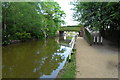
(34, 59)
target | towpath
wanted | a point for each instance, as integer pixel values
(96, 61)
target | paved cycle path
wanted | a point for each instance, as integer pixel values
(96, 61)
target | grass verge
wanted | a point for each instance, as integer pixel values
(69, 68)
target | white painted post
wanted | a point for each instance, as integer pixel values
(101, 39)
(69, 57)
(97, 39)
(65, 37)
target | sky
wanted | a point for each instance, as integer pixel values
(66, 7)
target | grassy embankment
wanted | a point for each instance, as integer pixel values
(69, 68)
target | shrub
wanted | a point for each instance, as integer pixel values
(23, 36)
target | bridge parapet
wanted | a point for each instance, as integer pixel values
(77, 29)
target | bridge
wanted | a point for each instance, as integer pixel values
(70, 28)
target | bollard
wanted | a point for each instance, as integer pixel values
(97, 39)
(101, 40)
(94, 39)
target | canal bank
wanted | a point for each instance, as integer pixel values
(36, 58)
(69, 69)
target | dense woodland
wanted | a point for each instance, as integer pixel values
(102, 16)
(26, 20)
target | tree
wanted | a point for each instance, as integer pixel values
(99, 15)
(102, 16)
(39, 19)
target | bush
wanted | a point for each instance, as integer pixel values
(23, 36)
(5, 38)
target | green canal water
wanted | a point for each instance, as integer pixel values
(34, 59)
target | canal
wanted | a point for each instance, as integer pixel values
(35, 59)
